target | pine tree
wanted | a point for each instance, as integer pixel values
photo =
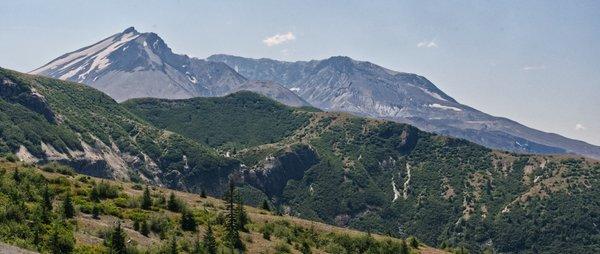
(404, 248)
(412, 241)
(117, 241)
(61, 239)
(265, 205)
(46, 206)
(232, 236)
(95, 194)
(96, 212)
(146, 199)
(47, 199)
(68, 209)
(173, 246)
(144, 229)
(305, 248)
(210, 244)
(188, 223)
(173, 203)
(241, 216)
(136, 225)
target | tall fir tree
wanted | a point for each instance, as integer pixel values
(146, 199)
(117, 240)
(241, 215)
(47, 198)
(144, 228)
(173, 246)
(188, 222)
(173, 203)
(265, 205)
(68, 209)
(232, 236)
(210, 243)
(61, 239)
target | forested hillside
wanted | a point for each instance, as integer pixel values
(392, 178)
(45, 119)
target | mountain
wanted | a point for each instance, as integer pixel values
(32, 206)
(388, 177)
(133, 65)
(363, 88)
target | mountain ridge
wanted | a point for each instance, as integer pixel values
(427, 108)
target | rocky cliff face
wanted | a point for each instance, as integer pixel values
(272, 174)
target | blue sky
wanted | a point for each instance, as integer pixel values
(536, 62)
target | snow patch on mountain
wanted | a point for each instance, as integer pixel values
(432, 94)
(435, 105)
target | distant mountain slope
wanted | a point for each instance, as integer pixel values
(136, 65)
(389, 177)
(344, 84)
(274, 91)
(44, 119)
(132, 64)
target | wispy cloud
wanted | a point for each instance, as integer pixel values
(279, 38)
(534, 67)
(580, 127)
(427, 44)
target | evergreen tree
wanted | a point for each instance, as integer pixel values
(173, 246)
(61, 239)
(96, 212)
(188, 222)
(197, 248)
(95, 194)
(210, 244)
(136, 225)
(173, 203)
(117, 240)
(47, 199)
(46, 206)
(404, 248)
(146, 199)
(241, 216)
(305, 248)
(232, 236)
(412, 241)
(68, 209)
(265, 205)
(144, 228)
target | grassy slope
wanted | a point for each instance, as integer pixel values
(459, 193)
(89, 233)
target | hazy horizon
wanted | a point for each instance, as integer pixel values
(536, 64)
